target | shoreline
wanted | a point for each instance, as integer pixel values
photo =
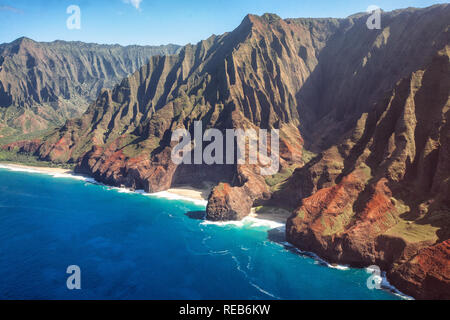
(277, 215)
(23, 167)
(268, 217)
(191, 192)
(272, 217)
(181, 193)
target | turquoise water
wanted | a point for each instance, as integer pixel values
(134, 246)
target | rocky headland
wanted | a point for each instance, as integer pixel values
(363, 117)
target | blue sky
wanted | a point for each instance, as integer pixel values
(154, 22)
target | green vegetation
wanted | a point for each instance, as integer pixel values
(307, 156)
(82, 148)
(336, 224)
(272, 210)
(277, 213)
(11, 135)
(276, 181)
(133, 149)
(301, 214)
(29, 160)
(220, 187)
(414, 232)
(270, 17)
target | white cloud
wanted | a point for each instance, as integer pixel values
(14, 10)
(134, 3)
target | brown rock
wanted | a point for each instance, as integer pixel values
(228, 203)
(377, 193)
(28, 146)
(426, 275)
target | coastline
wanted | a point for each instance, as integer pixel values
(278, 215)
(22, 167)
(199, 196)
(267, 217)
(191, 192)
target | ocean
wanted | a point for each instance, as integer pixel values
(137, 246)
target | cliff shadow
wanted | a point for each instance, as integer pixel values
(196, 215)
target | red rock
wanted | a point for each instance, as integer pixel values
(28, 146)
(427, 274)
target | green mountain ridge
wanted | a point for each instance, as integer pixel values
(44, 84)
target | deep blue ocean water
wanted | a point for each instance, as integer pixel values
(134, 246)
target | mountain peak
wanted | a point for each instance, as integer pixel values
(265, 18)
(270, 17)
(17, 45)
(23, 40)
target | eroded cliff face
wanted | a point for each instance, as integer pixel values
(426, 275)
(44, 84)
(372, 106)
(268, 73)
(385, 198)
(237, 80)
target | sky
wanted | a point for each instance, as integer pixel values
(156, 22)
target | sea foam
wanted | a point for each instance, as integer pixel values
(50, 173)
(248, 222)
(164, 194)
(318, 260)
(172, 196)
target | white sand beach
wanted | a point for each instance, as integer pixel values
(198, 195)
(21, 167)
(193, 193)
(278, 215)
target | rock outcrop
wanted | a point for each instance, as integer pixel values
(25, 146)
(385, 200)
(427, 274)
